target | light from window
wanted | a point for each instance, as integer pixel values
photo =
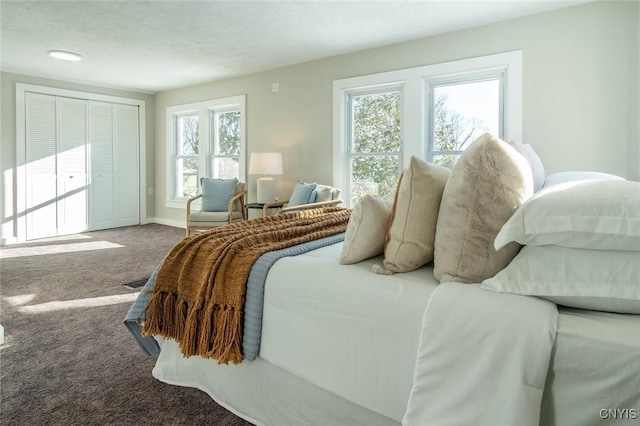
(462, 111)
(187, 155)
(226, 149)
(375, 143)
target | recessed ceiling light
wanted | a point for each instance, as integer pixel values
(65, 56)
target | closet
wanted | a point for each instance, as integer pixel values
(113, 151)
(81, 166)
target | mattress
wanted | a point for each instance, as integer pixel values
(339, 346)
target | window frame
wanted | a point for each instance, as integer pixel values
(348, 110)
(471, 77)
(179, 155)
(205, 110)
(215, 136)
(414, 105)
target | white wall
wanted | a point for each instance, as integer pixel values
(580, 107)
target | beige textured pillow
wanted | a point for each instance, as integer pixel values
(412, 226)
(366, 230)
(488, 183)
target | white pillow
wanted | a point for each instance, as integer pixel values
(598, 214)
(537, 168)
(366, 230)
(562, 177)
(321, 193)
(587, 279)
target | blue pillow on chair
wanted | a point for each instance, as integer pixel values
(216, 193)
(303, 193)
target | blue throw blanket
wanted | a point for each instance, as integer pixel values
(254, 302)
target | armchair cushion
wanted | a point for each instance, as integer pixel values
(216, 194)
(303, 193)
(212, 218)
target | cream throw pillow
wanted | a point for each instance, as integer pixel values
(488, 183)
(412, 226)
(366, 230)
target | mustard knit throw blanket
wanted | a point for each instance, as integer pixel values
(198, 298)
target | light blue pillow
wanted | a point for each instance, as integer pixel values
(303, 193)
(216, 193)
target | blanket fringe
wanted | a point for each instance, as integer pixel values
(153, 323)
(214, 332)
(169, 319)
(188, 340)
(206, 334)
(228, 339)
(181, 318)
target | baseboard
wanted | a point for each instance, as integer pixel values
(10, 240)
(168, 222)
(175, 223)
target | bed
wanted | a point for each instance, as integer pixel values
(365, 328)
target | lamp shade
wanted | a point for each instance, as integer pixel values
(265, 163)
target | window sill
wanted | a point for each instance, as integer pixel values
(180, 204)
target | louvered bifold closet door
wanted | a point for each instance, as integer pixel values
(72, 165)
(127, 165)
(56, 165)
(114, 188)
(101, 189)
(40, 167)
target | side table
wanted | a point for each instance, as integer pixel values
(265, 207)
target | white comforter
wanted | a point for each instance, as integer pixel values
(482, 358)
(344, 328)
(357, 334)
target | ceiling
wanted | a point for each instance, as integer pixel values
(152, 46)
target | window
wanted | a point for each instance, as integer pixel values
(225, 158)
(205, 139)
(459, 112)
(374, 142)
(433, 112)
(186, 172)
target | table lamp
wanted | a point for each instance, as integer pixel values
(265, 163)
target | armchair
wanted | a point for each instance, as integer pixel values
(222, 203)
(307, 196)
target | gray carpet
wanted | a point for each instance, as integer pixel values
(67, 358)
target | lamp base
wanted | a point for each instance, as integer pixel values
(265, 189)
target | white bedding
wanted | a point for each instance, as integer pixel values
(483, 358)
(333, 331)
(345, 328)
(261, 393)
(595, 366)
